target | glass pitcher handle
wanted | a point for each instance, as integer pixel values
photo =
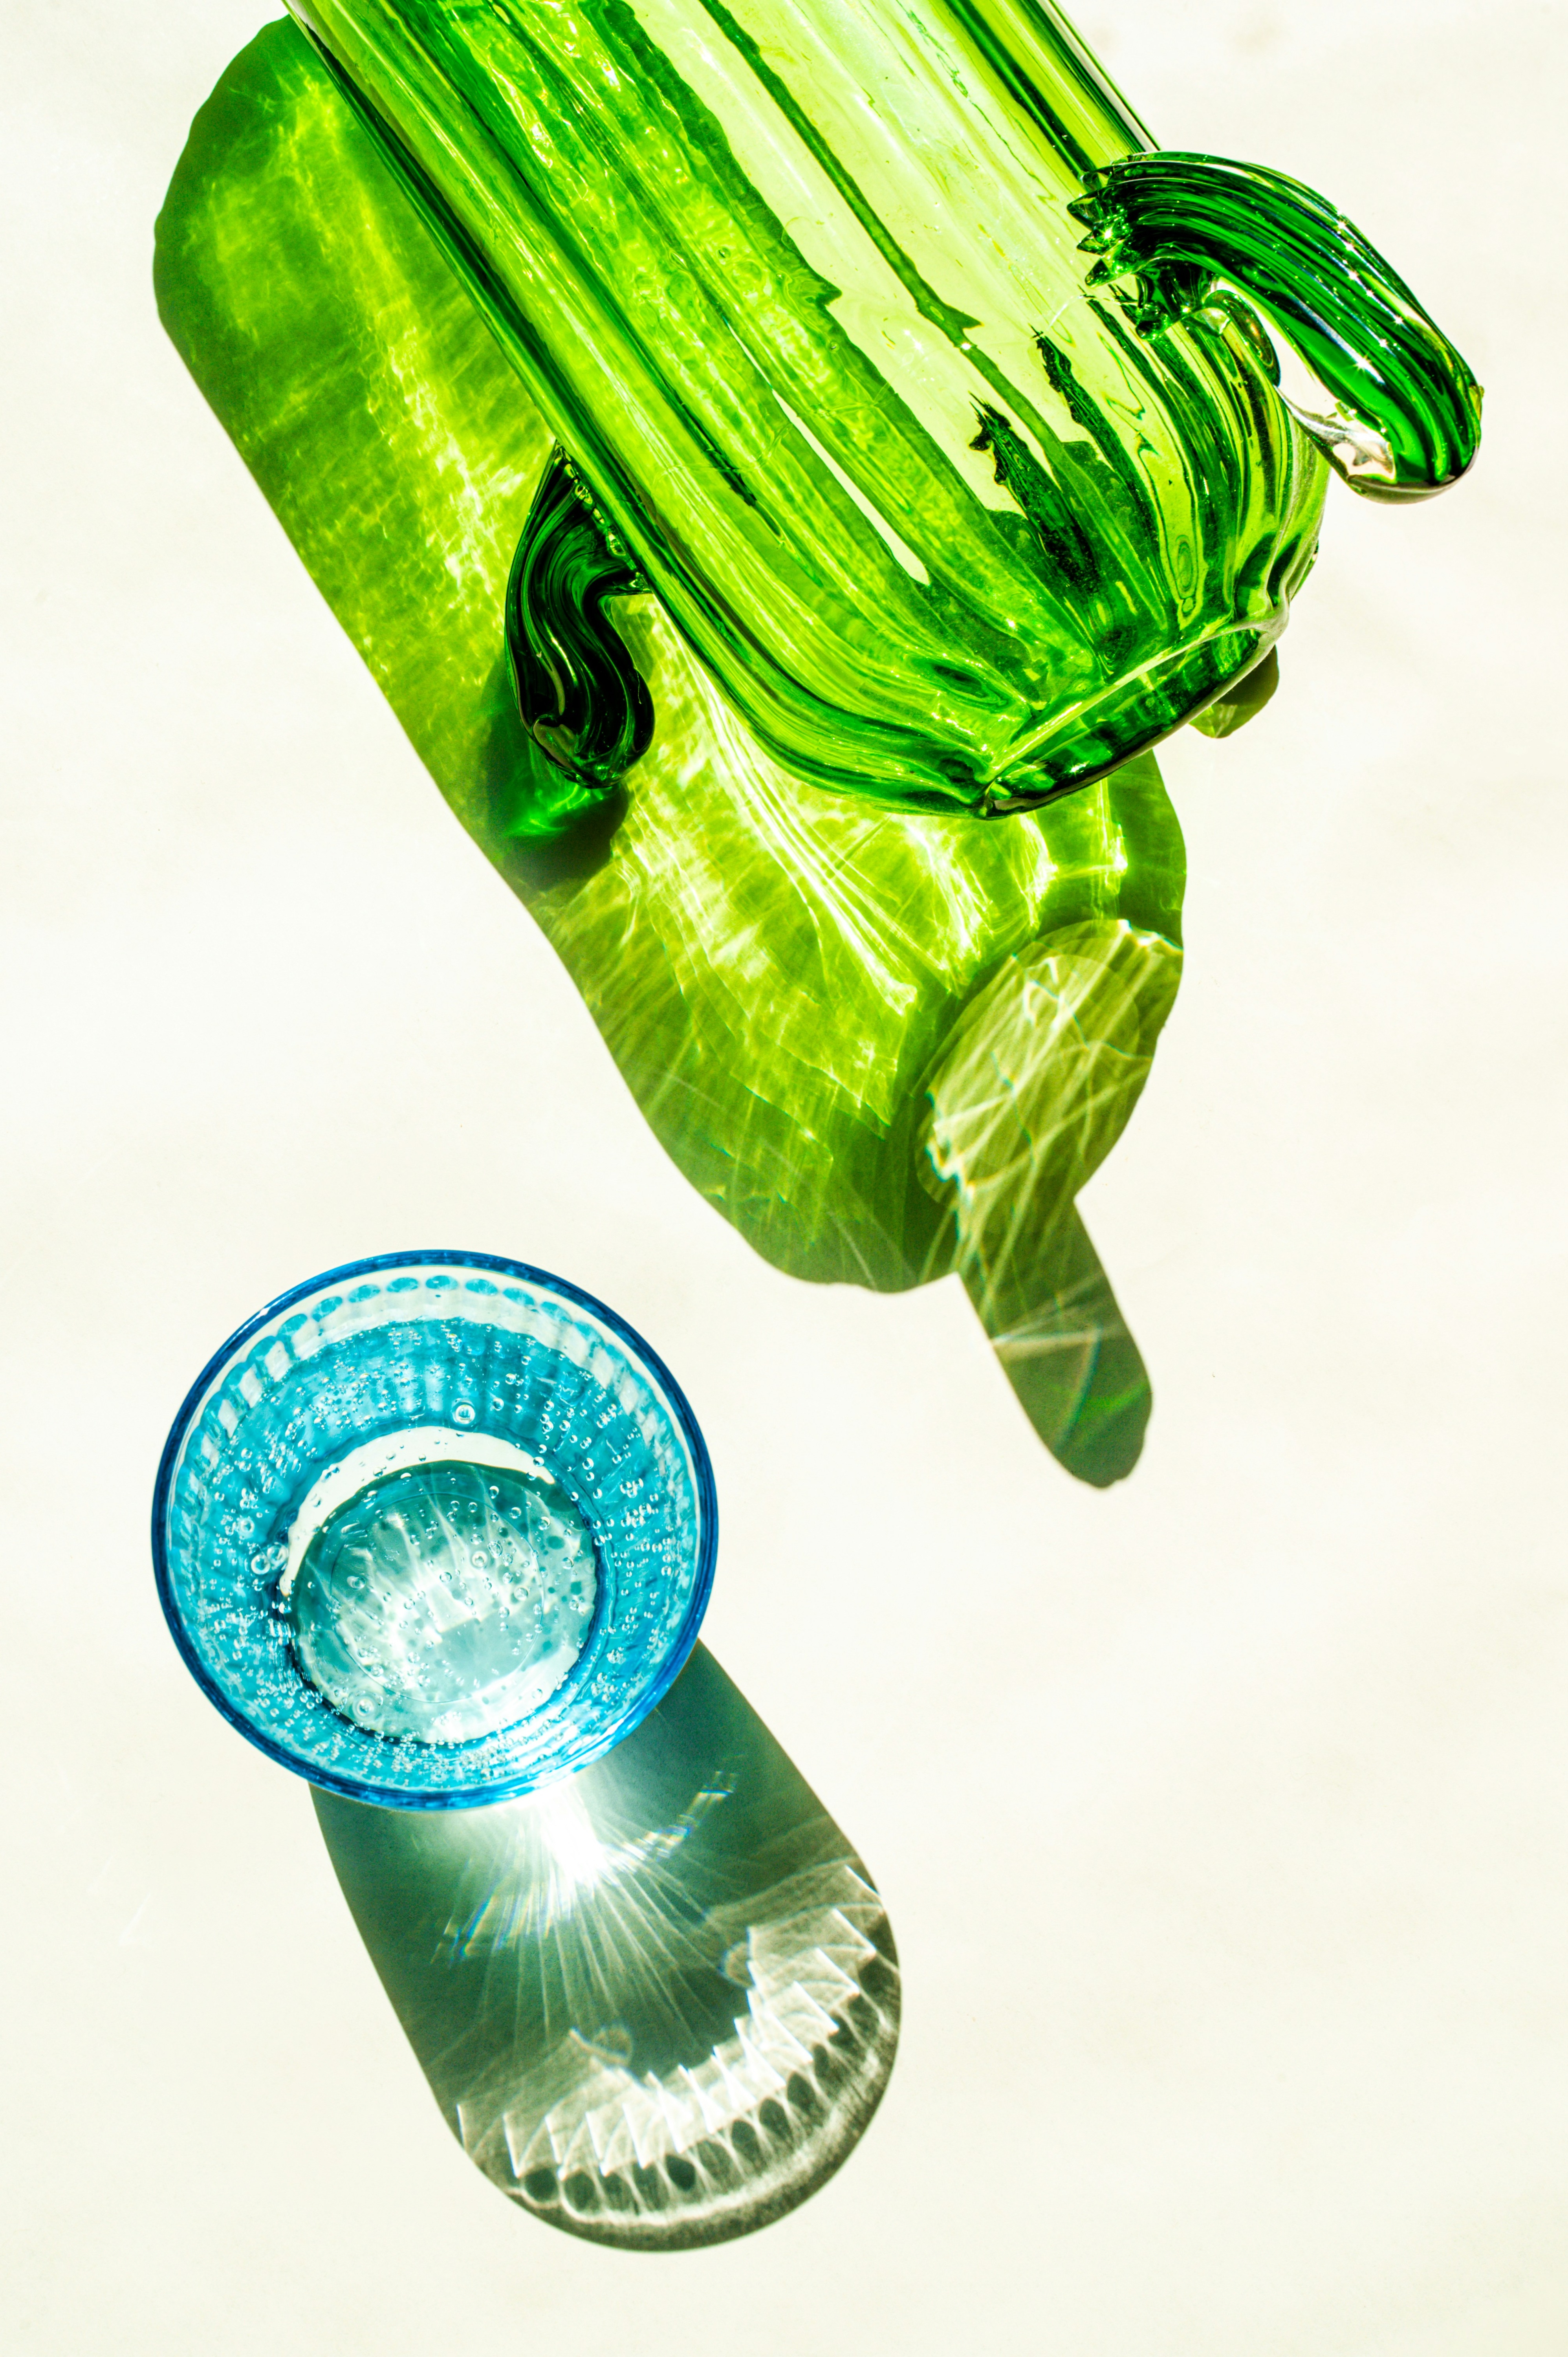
(582, 699)
(1186, 229)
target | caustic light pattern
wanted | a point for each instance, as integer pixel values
(447, 1601)
(657, 2003)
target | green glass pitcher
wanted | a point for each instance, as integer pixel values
(939, 412)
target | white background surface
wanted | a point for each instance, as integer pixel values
(1222, 1819)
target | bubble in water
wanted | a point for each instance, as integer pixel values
(423, 1606)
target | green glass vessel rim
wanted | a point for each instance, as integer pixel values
(642, 1355)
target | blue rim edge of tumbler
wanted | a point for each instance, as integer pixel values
(509, 1788)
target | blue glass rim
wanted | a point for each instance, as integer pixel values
(642, 1352)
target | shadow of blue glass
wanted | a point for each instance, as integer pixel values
(437, 1531)
(657, 2003)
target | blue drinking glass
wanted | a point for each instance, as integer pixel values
(434, 1529)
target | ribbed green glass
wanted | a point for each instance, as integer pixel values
(796, 286)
